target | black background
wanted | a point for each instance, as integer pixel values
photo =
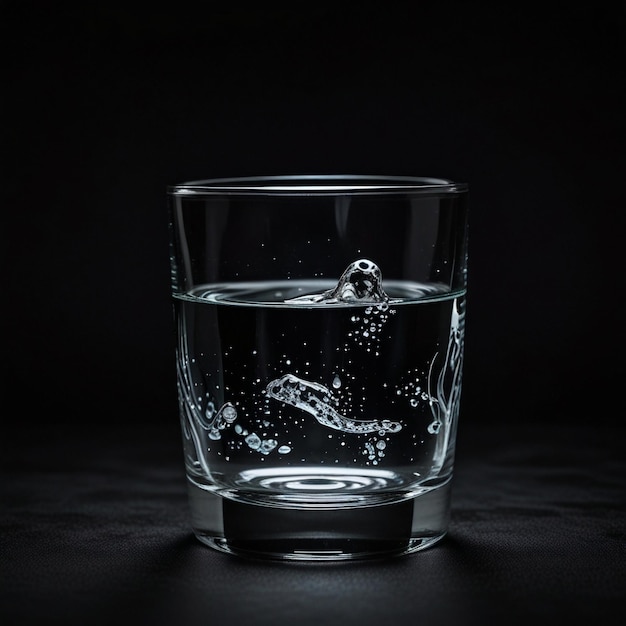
(105, 104)
(108, 104)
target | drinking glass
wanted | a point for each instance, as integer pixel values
(319, 326)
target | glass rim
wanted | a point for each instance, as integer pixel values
(317, 184)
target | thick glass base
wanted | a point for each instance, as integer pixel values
(326, 534)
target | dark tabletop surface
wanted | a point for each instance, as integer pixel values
(94, 528)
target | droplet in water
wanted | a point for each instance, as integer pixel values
(215, 434)
(433, 428)
(253, 441)
(267, 445)
(229, 413)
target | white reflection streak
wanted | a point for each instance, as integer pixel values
(188, 406)
(445, 408)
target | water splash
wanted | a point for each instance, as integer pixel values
(362, 281)
(317, 400)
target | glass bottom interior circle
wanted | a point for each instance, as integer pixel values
(260, 527)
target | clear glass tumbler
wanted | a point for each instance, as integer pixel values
(320, 327)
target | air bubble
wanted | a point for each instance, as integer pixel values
(253, 441)
(433, 428)
(267, 445)
(229, 413)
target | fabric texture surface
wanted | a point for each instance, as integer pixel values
(94, 528)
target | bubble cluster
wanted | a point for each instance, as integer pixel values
(264, 446)
(375, 450)
(413, 392)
